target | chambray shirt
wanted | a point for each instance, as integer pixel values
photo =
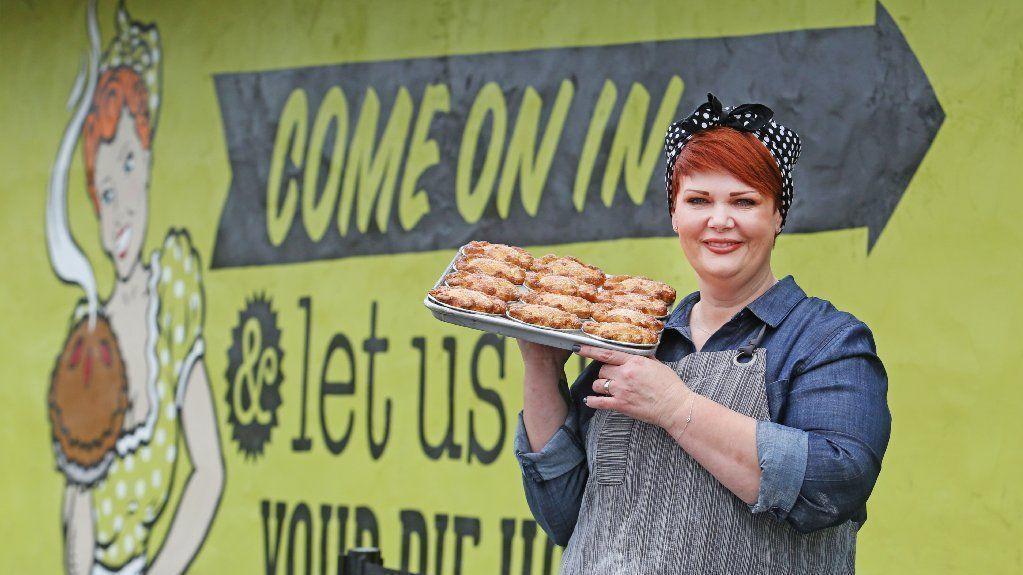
(821, 451)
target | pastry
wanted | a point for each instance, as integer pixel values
(570, 303)
(544, 316)
(468, 299)
(491, 267)
(490, 285)
(621, 332)
(510, 254)
(569, 266)
(642, 286)
(647, 305)
(561, 284)
(604, 312)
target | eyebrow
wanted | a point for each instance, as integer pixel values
(706, 193)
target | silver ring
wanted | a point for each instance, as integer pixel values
(607, 386)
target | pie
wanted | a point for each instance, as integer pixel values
(491, 267)
(501, 252)
(642, 286)
(562, 285)
(621, 332)
(569, 266)
(570, 303)
(544, 316)
(641, 303)
(468, 299)
(490, 285)
(604, 312)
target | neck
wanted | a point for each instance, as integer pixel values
(131, 287)
(721, 300)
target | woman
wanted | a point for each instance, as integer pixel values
(751, 444)
(154, 319)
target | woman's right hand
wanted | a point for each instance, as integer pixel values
(536, 355)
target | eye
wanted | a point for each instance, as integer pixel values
(107, 196)
(696, 200)
(129, 163)
(746, 202)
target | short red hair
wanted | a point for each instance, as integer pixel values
(723, 149)
(117, 88)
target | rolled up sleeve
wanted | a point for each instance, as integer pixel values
(554, 478)
(782, 453)
(820, 462)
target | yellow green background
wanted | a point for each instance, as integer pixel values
(940, 290)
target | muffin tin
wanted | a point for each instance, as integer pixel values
(507, 326)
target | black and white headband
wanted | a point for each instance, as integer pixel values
(783, 143)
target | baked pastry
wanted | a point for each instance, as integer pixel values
(561, 284)
(605, 312)
(642, 303)
(570, 267)
(642, 286)
(505, 253)
(544, 316)
(491, 267)
(468, 299)
(574, 305)
(621, 332)
(490, 285)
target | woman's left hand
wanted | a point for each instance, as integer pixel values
(641, 387)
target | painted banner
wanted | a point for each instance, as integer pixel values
(221, 220)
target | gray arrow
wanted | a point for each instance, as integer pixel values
(857, 96)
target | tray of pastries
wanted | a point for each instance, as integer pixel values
(555, 300)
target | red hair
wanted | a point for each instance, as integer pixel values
(723, 149)
(117, 88)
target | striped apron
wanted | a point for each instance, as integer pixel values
(648, 507)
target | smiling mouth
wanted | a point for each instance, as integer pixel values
(122, 241)
(722, 246)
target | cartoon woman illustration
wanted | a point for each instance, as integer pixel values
(130, 387)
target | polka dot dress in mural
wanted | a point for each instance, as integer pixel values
(783, 143)
(129, 500)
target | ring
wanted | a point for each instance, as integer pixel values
(607, 386)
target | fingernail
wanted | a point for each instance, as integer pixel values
(584, 400)
(576, 347)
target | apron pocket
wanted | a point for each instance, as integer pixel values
(613, 448)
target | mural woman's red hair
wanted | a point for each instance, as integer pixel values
(116, 89)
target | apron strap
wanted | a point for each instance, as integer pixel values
(747, 350)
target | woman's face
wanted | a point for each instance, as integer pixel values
(122, 189)
(725, 227)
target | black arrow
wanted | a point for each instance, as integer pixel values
(857, 96)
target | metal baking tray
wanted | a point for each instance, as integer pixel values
(511, 328)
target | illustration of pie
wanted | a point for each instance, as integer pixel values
(621, 332)
(642, 286)
(501, 252)
(641, 303)
(570, 267)
(606, 313)
(88, 396)
(561, 284)
(574, 305)
(468, 299)
(490, 285)
(544, 316)
(491, 267)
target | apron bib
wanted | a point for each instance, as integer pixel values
(649, 507)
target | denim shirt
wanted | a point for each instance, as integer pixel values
(820, 453)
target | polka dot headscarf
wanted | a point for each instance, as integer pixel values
(783, 143)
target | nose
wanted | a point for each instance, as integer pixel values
(720, 218)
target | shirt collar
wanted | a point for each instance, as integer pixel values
(771, 307)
